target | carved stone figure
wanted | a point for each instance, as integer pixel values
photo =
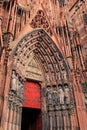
(67, 95)
(61, 95)
(55, 97)
(13, 81)
(49, 96)
(20, 88)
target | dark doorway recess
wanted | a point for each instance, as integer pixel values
(31, 119)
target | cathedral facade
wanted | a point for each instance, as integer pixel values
(43, 64)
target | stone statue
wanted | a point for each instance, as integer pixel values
(61, 95)
(55, 97)
(67, 95)
(20, 88)
(49, 96)
(13, 81)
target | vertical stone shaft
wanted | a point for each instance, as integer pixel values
(10, 117)
(14, 119)
(74, 121)
(5, 115)
(6, 90)
(57, 120)
(2, 79)
(50, 120)
(65, 120)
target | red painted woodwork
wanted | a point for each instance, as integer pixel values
(32, 95)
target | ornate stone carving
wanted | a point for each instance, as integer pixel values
(16, 90)
(40, 21)
(20, 88)
(55, 97)
(61, 95)
(67, 95)
(14, 81)
(7, 38)
(49, 96)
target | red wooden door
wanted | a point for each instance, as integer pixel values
(32, 95)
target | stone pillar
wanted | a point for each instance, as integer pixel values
(1, 41)
(20, 116)
(50, 121)
(5, 117)
(11, 112)
(61, 123)
(14, 119)
(74, 121)
(65, 120)
(54, 120)
(57, 120)
(2, 81)
(6, 91)
(80, 104)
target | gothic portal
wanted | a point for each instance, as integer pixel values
(43, 65)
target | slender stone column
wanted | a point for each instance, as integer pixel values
(11, 117)
(57, 120)
(50, 119)
(61, 123)
(20, 116)
(65, 120)
(45, 120)
(68, 120)
(67, 125)
(74, 121)
(54, 120)
(6, 91)
(17, 117)
(14, 119)
(5, 116)
(2, 79)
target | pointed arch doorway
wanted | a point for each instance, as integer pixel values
(53, 73)
(31, 112)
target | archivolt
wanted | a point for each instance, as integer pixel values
(52, 62)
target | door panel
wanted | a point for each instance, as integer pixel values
(32, 95)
